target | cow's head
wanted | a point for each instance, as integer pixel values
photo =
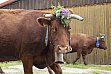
(58, 34)
(102, 42)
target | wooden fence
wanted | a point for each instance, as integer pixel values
(97, 19)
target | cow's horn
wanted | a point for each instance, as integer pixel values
(102, 35)
(48, 15)
(76, 17)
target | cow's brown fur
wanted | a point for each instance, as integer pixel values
(23, 38)
(11, 11)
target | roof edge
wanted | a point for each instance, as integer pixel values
(7, 2)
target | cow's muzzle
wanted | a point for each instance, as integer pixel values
(60, 50)
(65, 49)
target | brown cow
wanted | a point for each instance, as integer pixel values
(23, 35)
(84, 44)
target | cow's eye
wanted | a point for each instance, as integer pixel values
(69, 28)
(54, 29)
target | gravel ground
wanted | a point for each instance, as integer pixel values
(18, 69)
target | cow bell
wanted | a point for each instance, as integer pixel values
(59, 58)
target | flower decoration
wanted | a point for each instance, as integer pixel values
(63, 14)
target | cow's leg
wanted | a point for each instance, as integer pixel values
(65, 58)
(1, 71)
(78, 56)
(84, 58)
(27, 61)
(49, 70)
(56, 68)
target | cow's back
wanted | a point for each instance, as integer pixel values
(81, 41)
(77, 41)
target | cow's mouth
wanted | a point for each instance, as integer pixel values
(59, 51)
(59, 58)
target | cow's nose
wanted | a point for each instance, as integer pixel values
(64, 49)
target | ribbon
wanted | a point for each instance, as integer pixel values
(97, 42)
(46, 37)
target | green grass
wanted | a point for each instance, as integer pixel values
(11, 63)
(82, 66)
(94, 72)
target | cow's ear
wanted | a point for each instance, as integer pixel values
(43, 21)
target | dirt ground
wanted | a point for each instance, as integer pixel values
(18, 69)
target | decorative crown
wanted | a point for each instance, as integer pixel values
(62, 13)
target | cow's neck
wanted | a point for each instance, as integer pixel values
(93, 45)
(49, 50)
(51, 53)
(96, 42)
(92, 42)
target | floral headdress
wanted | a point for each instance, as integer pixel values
(63, 14)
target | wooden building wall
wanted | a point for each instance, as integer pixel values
(45, 4)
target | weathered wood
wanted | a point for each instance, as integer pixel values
(44, 4)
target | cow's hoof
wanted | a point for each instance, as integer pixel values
(50, 72)
(67, 63)
(85, 64)
(74, 63)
